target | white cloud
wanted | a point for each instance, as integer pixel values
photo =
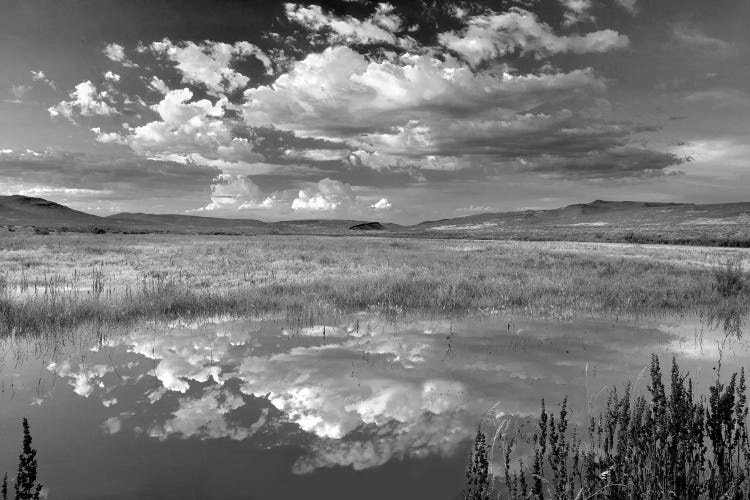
(381, 204)
(209, 63)
(490, 36)
(185, 127)
(108, 137)
(85, 100)
(116, 52)
(339, 94)
(236, 193)
(38, 76)
(380, 27)
(111, 77)
(84, 379)
(577, 11)
(326, 195)
(205, 417)
(158, 85)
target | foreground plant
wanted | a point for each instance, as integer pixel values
(667, 444)
(26, 487)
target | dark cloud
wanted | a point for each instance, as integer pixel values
(122, 178)
(610, 164)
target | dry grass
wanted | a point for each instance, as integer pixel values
(66, 280)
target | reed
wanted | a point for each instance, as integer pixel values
(66, 280)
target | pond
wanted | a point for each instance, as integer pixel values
(360, 407)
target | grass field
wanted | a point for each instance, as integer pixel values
(66, 280)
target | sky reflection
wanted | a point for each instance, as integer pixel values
(355, 395)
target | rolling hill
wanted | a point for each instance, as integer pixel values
(725, 224)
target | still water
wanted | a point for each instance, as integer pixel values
(359, 407)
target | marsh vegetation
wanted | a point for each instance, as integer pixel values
(668, 443)
(66, 280)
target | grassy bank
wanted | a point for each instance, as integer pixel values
(66, 280)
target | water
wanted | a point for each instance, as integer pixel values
(361, 408)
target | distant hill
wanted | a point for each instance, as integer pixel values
(602, 213)
(186, 222)
(28, 211)
(725, 224)
(19, 210)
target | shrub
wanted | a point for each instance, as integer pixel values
(668, 445)
(43, 231)
(730, 279)
(26, 487)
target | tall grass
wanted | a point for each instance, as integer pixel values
(67, 280)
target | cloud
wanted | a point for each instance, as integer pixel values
(186, 126)
(19, 92)
(577, 11)
(630, 5)
(158, 85)
(720, 98)
(38, 76)
(96, 178)
(86, 100)
(618, 162)
(208, 64)
(493, 35)
(108, 137)
(327, 195)
(236, 193)
(316, 154)
(472, 209)
(116, 52)
(205, 418)
(382, 204)
(689, 36)
(339, 94)
(111, 77)
(378, 28)
(84, 379)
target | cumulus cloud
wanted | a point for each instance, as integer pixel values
(186, 126)
(84, 379)
(116, 52)
(378, 28)
(339, 93)
(85, 100)
(236, 192)
(208, 64)
(381, 204)
(327, 195)
(111, 77)
(108, 137)
(205, 417)
(158, 85)
(493, 35)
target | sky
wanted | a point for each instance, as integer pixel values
(403, 111)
